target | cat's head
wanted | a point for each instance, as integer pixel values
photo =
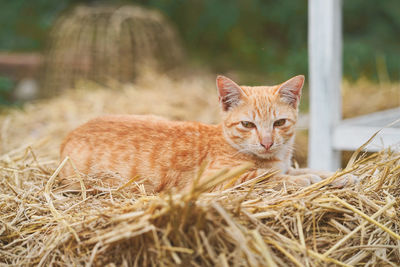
(260, 120)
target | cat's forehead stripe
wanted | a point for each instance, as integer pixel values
(263, 102)
(264, 107)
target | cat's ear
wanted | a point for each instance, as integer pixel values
(229, 92)
(290, 91)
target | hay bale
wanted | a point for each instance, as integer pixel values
(249, 225)
(103, 43)
(379, 96)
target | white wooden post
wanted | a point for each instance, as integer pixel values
(325, 71)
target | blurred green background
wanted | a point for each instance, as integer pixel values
(263, 36)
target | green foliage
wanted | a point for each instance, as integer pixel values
(25, 23)
(252, 35)
(6, 87)
(267, 37)
(371, 34)
(270, 37)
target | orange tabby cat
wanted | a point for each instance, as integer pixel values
(258, 126)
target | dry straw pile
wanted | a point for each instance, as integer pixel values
(248, 225)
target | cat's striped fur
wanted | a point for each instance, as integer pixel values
(258, 126)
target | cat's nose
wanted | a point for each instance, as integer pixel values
(267, 142)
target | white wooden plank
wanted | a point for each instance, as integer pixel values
(351, 137)
(325, 67)
(376, 119)
(350, 134)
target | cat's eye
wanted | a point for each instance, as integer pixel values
(248, 124)
(279, 122)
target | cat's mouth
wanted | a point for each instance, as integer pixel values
(264, 153)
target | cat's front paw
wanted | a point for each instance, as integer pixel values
(345, 180)
(306, 180)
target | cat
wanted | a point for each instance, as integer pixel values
(258, 126)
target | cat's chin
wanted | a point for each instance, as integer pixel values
(265, 154)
